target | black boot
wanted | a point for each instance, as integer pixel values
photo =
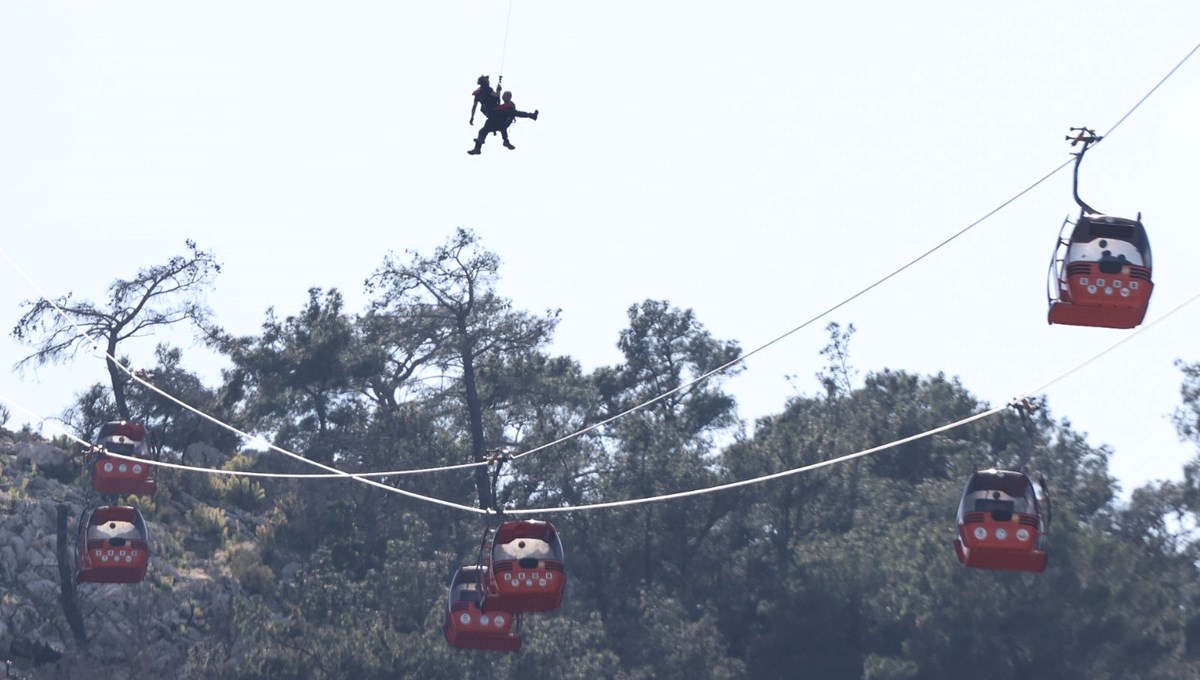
(508, 146)
(534, 116)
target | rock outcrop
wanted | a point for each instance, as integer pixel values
(133, 631)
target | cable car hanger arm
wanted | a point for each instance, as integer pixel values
(1088, 137)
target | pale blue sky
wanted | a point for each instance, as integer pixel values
(755, 161)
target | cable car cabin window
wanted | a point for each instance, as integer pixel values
(526, 551)
(121, 428)
(992, 505)
(1112, 265)
(1015, 485)
(1124, 232)
(121, 449)
(1011, 488)
(115, 532)
(1093, 234)
(468, 592)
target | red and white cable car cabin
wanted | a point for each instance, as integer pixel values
(113, 546)
(115, 475)
(468, 624)
(1000, 523)
(1101, 275)
(526, 572)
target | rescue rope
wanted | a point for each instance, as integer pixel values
(504, 49)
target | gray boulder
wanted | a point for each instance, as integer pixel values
(49, 459)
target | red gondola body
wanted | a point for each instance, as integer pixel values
(471, 621)
(1000, 523)
(526, 569)
(118, 476)
(1101, 275)
(113, 546)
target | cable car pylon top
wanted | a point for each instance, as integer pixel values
(1087, 137)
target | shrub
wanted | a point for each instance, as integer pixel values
(243, 493)
(210, 524)
(247, 567)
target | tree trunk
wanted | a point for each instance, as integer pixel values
(70, 602)
(475, 413)
(117, 377)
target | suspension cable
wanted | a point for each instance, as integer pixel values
(858, 454)
(694, 492)
(872, 286)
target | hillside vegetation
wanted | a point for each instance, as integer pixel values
(843, 572)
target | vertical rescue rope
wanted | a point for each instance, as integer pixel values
(497, 458)
(504, 49)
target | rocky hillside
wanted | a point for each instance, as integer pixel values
(141, 630)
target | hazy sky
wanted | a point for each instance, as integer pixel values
(754, 161)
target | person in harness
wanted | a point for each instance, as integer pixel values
(500, 115)
(486, 99)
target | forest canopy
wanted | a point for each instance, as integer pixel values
(844, 572)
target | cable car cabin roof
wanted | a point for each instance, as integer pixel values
(122, 428)
(1092, 226)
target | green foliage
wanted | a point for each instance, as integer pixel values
(248, 569)
(265, 534)
(300, 378)
(297, 528)
(242, 492)
(160, 295)
(351, 547)
(160, 509)
(176, 427)
(844, 572)
(241, 462)
(203, 486)
(210, 525)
